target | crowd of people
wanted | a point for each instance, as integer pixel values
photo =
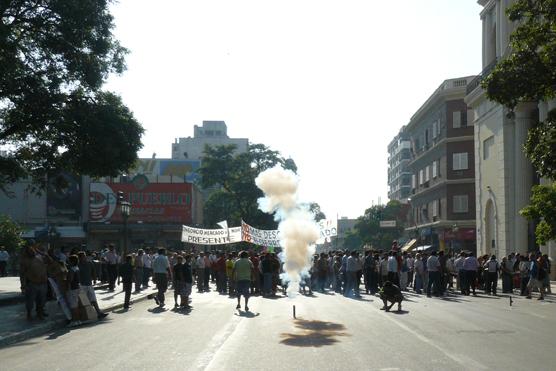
(249, 273)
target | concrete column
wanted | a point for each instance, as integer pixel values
(523, 174)
(503, 27)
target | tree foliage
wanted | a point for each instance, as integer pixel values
(233, 176)
(10, 234)
(55, 56)
(528, 73)
(368, 226)
(543, 204)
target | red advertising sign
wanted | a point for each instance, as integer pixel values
(150, 202)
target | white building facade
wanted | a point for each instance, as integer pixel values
(214, 133)
(504, 175)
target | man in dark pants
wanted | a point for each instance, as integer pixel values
(492, 268)
(391, 293)
(126, 272)
(162, 273)
(111, 259)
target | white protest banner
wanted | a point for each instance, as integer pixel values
(210, 236)
(328, 228)
(263, 237)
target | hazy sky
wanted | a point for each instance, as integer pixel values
(328, 83)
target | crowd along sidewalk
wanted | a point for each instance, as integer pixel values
(15, 327)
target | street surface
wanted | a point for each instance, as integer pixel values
(331, 333)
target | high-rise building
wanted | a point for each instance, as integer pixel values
(443, 174)
(504, 175)
(399, 175)
(212, 133)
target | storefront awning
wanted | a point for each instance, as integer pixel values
(423, 248)
(409, 246)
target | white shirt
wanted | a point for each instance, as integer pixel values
(200, 262)
(392, 264)
(459, 263)
(147, 261)
(161, 264)
(433, 264)
(492, 266)
(419, 266)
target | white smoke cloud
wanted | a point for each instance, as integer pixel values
(298, 230)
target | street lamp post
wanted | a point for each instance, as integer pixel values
(125, 209)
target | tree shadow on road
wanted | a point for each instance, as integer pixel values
(314, 334)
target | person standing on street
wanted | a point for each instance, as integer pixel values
(243, 275)
(200, 267)
(138, 270)
(4, 258)
(506, 269)
(126, 272)
(419, 268)
(112, 260)
(536, 276)
(34, 280)
(86, 274)
(470, 267)
(147, 267)
(161, 270)
(392, 267)
(433, 267)
(492, 267)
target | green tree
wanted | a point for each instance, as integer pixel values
(233, 178)
(55, 56)
(10, 234)
(368, 226)
(528, 74)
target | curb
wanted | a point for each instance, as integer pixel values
(19, 298)
(55, 324)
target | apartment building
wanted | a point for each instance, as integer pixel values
(442, 163)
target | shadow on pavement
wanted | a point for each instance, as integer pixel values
(66, 330)
(157, 310)
(399, 311)
(248, 314)
(314, 334)
(182, 311)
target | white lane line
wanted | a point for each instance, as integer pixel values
(464, 361)
(216, 343)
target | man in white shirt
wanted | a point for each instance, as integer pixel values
(111, 258)
(147, 267)
(162, 273)
(492, 268)
(4, 258)
(433, 267)
(200, 267)
(392, 267)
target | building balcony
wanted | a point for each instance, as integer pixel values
(476, 82)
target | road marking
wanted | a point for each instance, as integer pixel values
(463, 360)
(216, 343)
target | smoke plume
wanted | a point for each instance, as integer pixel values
(298, 230)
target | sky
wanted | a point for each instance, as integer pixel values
(327, 83)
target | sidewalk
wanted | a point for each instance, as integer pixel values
(14, 326)
(10, 291)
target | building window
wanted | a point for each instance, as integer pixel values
(461, 203)
(427, 173)
(435, 208)
(434, 169)
(413, 181)
(421, 177)
(456, 119)
(487, 147)
(459, 161)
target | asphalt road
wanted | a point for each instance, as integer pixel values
(331, 333)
